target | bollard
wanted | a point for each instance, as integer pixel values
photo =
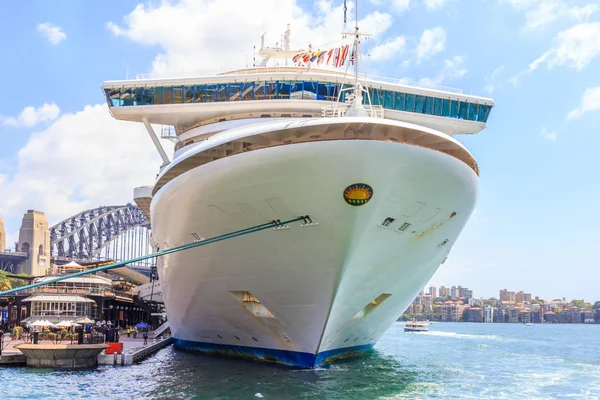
(80, 336)
(36, 337)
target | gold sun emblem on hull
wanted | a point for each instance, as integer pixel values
(358, 194)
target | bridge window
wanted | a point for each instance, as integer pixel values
(306, 90)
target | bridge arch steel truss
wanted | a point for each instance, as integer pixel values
(105, 233)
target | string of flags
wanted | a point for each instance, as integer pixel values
(335, 57)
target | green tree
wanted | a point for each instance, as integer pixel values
(579, 304)
(596, 305)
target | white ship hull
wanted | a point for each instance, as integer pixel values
(316, 284)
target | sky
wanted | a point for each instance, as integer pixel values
(535, 227)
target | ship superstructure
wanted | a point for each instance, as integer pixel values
(373, 164)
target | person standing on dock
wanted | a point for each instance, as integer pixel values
(145, 338)
(128, 331)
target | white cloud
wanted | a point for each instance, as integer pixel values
(389, 49)
(191, 35)
(81, 161)
(400, 6)
(453, 68)
(31, 116)
(589, 102)
(539, 13)
(432, 41)
(435, 4)
(575, 47)
(53, 33)
(490, 80)
(548, 135)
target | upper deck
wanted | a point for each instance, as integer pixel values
(286, 92)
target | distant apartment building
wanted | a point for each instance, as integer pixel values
(452, 312)
(500, 315)
(433, 292)
(507, 296)
(466, 293)
(537, 317)
(444, 292)
(488, 314)
(521, 297)
(597, 316)
(574, 315)
(587, 317)
(525, 317)
(475, 302)
(513, 314)
(473, 314)
(562, 317)
(550, 317)
(454, 292)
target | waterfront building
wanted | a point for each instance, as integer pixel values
(488, 314)
(587, 317)
(525, 317)
(574, 315)
(433, 292)
(513, 314)
(597, 315)
(452, 312)
(500, 315)
(563, 317)
(537, 317)
(444, 292)
(550, 317)
(473, 314)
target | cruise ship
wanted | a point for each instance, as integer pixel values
(371, 163)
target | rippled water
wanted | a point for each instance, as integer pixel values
(466, 361)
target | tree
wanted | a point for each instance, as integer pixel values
(596, 305)
(579, 304)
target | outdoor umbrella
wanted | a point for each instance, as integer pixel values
(142, 325)
(85, 320)
(64, 324)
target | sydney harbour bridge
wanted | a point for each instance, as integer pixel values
(103, 234)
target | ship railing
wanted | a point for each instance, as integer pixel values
(340, 110)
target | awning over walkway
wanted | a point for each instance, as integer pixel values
(60, 298)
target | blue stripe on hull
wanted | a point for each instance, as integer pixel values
(294, 358)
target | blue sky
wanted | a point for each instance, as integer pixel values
(535, 227)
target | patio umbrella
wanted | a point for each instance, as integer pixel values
(64, 324)
(85, 320)
(142, 325)
(46, 323)
(36, 323)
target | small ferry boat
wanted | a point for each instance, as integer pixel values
(416, 326)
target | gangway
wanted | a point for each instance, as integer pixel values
(275, 224)
(162, 329)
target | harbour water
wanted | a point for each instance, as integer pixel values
(452, 360)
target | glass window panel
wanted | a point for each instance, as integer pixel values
(259, 91)
(168, 95)
(388, 100)
(377, 97)
(126, 97)
(419, 103)
(210, 93)
(437, 106)
(178, 94)
(235, 91)
(454, 109)
(484, 112)
(284, 88)
(428, 109)
(158, 96)
(138, 96)
(114, 96)
(270, 90)
(310, 91)
(222, 92)
(399, 104)
(473, 111)
(410, 102)
(189, 94)
(332, 90)
(446, 107)
(247, 89)
(200, 94)
(463, 112)
(148, 95)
